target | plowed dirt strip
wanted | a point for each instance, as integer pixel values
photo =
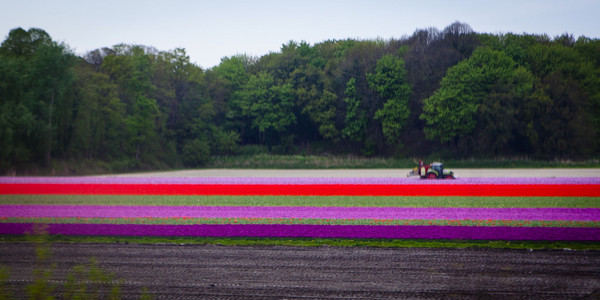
(319, 231)
(217, 272)
(507, 190)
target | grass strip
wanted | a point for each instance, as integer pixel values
(273, 161)
(316, 242)
(315, 201)
(295, 221)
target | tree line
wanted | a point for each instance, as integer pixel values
(455, 93)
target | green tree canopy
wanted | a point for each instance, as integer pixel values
(269, 106)
(37, 75)
(356, 120)
(450, 93)
(389, 80)
(451, 111)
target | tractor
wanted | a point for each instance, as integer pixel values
(435, 170)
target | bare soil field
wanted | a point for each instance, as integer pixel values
(399, 173)
(257, 272)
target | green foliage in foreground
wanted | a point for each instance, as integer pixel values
(316, 242)
(316, 201)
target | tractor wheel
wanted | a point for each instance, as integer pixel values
(431, 176)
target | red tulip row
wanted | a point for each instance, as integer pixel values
(507, 190)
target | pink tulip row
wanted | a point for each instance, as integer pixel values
(401, 213)
(294, 180)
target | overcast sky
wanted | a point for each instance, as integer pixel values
(210, 30)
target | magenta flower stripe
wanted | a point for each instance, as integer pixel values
(443, 213)
(320, 231)
(297, 180)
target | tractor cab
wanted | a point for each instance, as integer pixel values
(437, 167)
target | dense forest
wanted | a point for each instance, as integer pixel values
(455, 93)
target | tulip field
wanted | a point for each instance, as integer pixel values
(530, 209)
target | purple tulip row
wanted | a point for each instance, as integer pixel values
(319, 231)
(441, 213)
(292, 180)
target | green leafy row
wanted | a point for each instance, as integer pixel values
(317, 201)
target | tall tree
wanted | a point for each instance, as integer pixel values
(52, 69)
(451, 111)
(355, 120)
(269, 106)
(19, 126)
(558, 125)
(99, 122)
(315, 99)
(45, 78)
(389, 80)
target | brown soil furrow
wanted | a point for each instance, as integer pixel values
(253, 272)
